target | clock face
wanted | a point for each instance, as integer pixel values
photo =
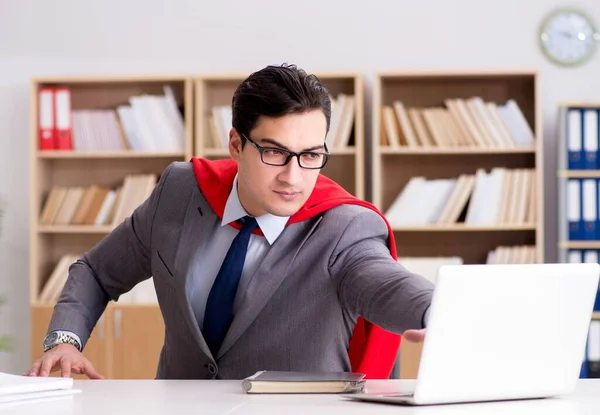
(568, 37)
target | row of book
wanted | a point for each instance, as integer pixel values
(582, 132)
(142, 293)
(517, 254)
(340, 130)
(148, 123)
(428, 267)
(501, 196)
(583, 209)
(95, 204)
(470, 122)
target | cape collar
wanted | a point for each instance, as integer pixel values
(216, 177)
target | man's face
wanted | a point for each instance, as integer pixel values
(279, 190)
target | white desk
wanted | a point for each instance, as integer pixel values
(150, 397)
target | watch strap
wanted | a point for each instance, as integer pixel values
(63, 337)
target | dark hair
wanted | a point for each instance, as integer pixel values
(275, 91)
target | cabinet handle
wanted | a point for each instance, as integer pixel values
(100, 326)
(117, 324)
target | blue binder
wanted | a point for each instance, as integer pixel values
(590, 138)
(589, 198)
(574, 136)
(574, 205)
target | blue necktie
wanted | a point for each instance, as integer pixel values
(219, 305)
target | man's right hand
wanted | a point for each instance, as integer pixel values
(67, 359)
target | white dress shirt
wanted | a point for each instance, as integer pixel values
(212, 254)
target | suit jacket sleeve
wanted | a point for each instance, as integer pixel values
(371, 283)
(112, 267)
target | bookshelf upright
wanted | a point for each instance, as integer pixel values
(458, 169)
(213, 95)
(98, 147)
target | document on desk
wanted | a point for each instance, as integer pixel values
(29, 389)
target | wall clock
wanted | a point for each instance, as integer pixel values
(568, 37)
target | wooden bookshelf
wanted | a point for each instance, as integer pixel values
(425, 125)
(584, 247)
(396, 163)
(346, 165)
(104, 152)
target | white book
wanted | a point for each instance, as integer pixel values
(428, 267)
(337, 109)
(516, 123)
(479, 198)
(439, 199)
(174, 116)
(130, 129)
(398, 214)
(493, 203)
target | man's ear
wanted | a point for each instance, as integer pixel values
(235, 144)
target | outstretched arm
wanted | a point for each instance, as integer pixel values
(374, 285)
(112, 267)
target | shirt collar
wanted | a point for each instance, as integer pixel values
(270, 225)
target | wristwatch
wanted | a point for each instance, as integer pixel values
(55, 338)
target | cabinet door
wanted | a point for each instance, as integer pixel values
(96, 349)
(138, 337)
(410, 356)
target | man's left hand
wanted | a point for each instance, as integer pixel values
(414, 336)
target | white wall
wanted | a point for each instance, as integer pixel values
(118, 36)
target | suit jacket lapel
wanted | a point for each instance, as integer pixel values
(199, 219)
(267, 278)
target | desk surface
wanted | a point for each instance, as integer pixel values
(149, 397)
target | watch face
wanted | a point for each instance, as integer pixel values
(50, 339)
(568, 37)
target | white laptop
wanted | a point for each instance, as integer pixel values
(502, 332)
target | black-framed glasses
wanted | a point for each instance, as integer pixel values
(276, 156)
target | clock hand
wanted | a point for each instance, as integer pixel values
(566, 34)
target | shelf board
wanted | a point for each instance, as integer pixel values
(579, 245)
(111, 304)
(581, 104)
(88, 229)
(579, 173)
(223, 152)
(455, 150)
(596, 315)
(465, 228)
(457, 73)
(342, 151)
(57, 154)
(104, 79)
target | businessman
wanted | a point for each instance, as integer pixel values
(259, 261)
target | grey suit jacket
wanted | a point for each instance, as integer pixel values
(299, 308)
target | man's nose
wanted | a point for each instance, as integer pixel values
(292, 172)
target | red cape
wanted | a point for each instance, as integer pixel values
(372, 350)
